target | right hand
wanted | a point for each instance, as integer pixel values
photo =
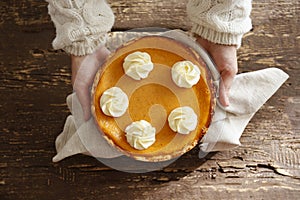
(225, 58)
(84, 69)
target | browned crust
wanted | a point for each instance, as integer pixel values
(200, 134)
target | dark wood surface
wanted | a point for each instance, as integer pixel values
(35, 79)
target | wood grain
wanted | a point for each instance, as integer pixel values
(32, 15)
(35, 80)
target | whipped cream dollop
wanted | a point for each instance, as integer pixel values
(140, 134)
(114, 102)
(183, 120)
(138, 65)
(185, 74)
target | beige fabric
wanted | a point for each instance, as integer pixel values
(248, 93)
(78, 137)
(81, 25)
(220, 21)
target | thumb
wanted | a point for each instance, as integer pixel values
(84, 98)
(224, 91)
(226, 62)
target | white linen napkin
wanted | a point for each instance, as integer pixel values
(248, 93)
(83, 138)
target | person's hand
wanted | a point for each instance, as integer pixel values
(84, 69)
(225, 58)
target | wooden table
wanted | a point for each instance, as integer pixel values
(35, 80)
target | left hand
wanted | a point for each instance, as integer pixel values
(84, 69)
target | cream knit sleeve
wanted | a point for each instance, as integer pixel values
(220, 21)
(81, 25)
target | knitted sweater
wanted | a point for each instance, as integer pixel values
(82, 25)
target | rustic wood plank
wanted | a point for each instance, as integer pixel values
(31, 15)
(35, 79)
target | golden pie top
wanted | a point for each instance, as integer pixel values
(153, 98)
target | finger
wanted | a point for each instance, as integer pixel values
(83, 95)
(84, 70)
(227, 76)
(223, 95)
(83, 83)
(102, 53)
(226, 61)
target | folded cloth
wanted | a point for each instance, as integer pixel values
(248, 93)
(81, 137)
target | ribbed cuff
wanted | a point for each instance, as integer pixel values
(217, 37)
(85, 47)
